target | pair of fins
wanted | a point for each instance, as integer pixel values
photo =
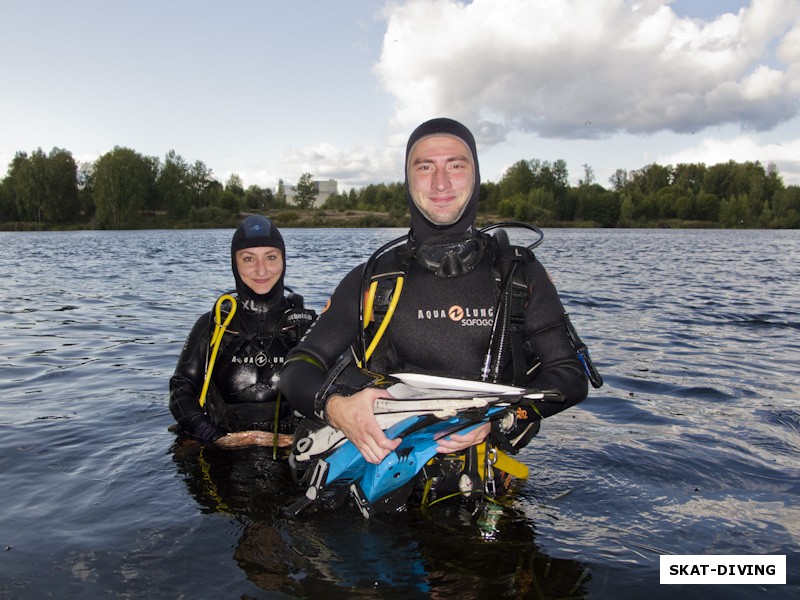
(334, 463)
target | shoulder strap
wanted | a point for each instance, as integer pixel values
(510, 263)
(382, 295)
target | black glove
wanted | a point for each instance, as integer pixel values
(198, 426)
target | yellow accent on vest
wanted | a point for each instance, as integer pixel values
(368, 309)
(216, 338)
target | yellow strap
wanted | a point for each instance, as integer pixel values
(216, 338)
(510, 465)
(398, 286)
(503, 462)
(368, 303)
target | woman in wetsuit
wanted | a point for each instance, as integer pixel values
(230, 397)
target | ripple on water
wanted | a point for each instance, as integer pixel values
(691, 447)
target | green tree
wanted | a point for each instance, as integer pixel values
(543, 200)
(489, 197)
(787, 207)
(8, 205)
(235, 185)
(28, 178)
(588, 176)
(667, 199)
(203, 185)
(280, 195)
(368, 198)
(174, 186)
(706, 207)
(123, 180)
(735, 211)
(44, 187)
(305, 192)
(517, 179)
(651, 178)
(212, 194)
(598, 205)
(256, 197)
(689, 176)
(618, 180)
(61, 187)
(627, 211)
(684, 204)
(230, 201)
(340, 202)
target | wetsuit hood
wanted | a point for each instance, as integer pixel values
(421, 227)
(253, 232)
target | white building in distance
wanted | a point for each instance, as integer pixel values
(322, 188)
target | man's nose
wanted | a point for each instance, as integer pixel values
(441, 180)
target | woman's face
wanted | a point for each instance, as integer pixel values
(260, 267)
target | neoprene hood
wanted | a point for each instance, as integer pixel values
(253, 232)
(421, 227)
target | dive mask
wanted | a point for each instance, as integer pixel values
(451, 256)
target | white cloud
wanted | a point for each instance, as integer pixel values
(743, 148)
(556, 68)
(351, 167)
(598, 73)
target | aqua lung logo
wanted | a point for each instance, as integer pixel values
(467, 317)
(456, 313)
(260, 360)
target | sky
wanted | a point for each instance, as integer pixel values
(272, 89)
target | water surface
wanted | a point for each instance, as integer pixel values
(691, 447)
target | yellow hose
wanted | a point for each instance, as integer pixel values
(216, 339)
(370, 300)
(398, 286)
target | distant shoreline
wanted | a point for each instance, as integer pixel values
(331, 219)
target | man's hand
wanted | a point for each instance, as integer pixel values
(242, 439)
(355, 417)
(456, 442)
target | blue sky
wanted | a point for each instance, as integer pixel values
(273, 89)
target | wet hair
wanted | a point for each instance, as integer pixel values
(422, 228)
(257, 231)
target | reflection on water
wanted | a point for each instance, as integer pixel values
(691, 447)
(449, 550)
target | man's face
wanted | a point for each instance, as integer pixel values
(441, 175)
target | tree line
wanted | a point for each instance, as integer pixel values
(124, 189)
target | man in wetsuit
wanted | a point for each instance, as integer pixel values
(443, 321)
(243, 405)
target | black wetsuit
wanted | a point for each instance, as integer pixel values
(243, 394)
(442, 323)
(441, 327)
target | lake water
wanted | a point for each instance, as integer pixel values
(691, 447)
